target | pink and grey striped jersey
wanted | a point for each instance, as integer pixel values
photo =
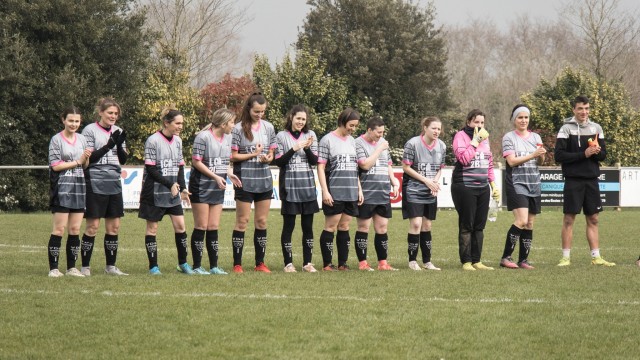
(524, 178)
(68, 187)
(256, 176)
(300, 184)
(375, 182)
(166, 156)
(103, 175)
(426, 160)
(214, 153)
(339, 155)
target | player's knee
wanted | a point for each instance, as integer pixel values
(330, 228)
(58, 230)
(567, 221)
(521, 224)
(91, 230)
(381, 229)
(241, 224)
(240, 227)
(152, 229)
(113, 229)
(261, 223)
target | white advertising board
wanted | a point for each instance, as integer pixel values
(132, 183)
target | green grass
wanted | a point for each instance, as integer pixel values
(577, 312)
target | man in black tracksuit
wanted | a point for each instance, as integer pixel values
(580, 147)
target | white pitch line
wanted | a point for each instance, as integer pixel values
(306, 298)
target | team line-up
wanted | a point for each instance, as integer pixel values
(355, 176)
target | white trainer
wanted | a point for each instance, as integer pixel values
(74, 272)
(112, 270)
(413, 265)
(55, 273)
(85, 270)
(309, 268)
(429, 266)
(289, 268)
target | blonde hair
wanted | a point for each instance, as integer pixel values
(220, 118)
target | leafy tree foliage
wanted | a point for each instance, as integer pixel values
(389, 51)
(230, 93)
(56, 53)
(165, 87)
(305, 81)
(609, 102)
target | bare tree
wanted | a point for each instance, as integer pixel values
(200, 34)
(610, 34)
(490, 69)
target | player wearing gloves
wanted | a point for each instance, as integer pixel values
(470, 191)
(104, 190)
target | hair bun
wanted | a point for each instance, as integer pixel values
(167, 109)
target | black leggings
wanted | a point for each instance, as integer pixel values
(289, 223)
(472, 205)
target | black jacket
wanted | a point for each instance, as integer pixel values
(571, 142)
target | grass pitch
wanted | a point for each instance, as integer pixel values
(582, 311)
